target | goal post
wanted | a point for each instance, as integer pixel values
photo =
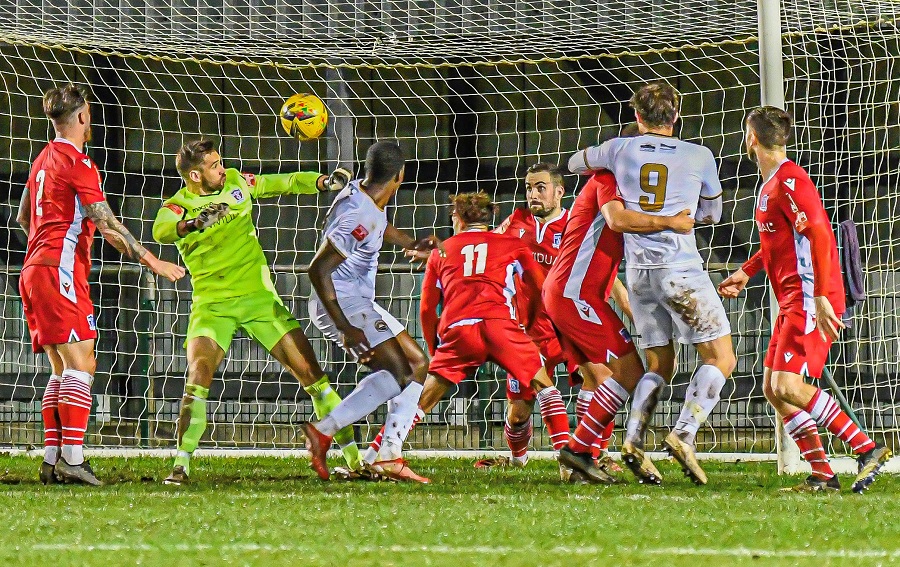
(771, 76)
(474, 93)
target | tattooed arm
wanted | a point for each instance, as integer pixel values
(114, 232)
(122, 240)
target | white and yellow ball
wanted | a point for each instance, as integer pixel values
(304, 116)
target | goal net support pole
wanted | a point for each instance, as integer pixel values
(771, 74)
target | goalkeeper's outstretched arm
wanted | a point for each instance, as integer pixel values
(298, 183)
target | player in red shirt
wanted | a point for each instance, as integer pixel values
(474, 282)
(592, 335)
(798, 252)
(61, 205)
(540, 225)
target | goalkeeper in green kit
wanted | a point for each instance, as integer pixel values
(210, 222)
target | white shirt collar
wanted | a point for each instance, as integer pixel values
(67, 141)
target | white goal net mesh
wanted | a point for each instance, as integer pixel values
(475, 91)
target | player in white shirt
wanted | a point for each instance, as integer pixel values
(343, 307)
(671, 295)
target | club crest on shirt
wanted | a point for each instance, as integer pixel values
(764, 203)
(557, 239)
(359, 233)
(238, 195)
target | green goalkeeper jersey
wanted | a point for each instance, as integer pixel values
(226, 260)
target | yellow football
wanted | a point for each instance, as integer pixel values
(304, 116)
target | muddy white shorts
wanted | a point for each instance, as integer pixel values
(679, 302)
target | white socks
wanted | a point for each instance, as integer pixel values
(371, 392)
(701, 397)
(643, 403)
(400, 419)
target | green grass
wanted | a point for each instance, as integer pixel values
(275, 512)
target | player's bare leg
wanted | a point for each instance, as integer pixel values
(75, 399)
(821, 407)
(660, 369)
(702, 395)
(204, 357)
(295, 353)
(616, 379)
(50, 415)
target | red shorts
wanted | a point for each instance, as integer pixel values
(588, 332)
(544, 334)
(553, 355)
(792, 349)
(57, 313)
(466, 347)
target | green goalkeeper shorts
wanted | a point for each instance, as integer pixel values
(261, 315)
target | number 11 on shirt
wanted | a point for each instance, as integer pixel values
(477, 254)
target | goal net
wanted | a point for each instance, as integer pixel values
(475, 92)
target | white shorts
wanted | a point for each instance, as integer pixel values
(679, 302)
(363, 313)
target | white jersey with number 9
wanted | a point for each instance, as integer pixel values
(657, 175)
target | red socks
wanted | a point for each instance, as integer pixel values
(50, 413)
(609, 397)
(826, 412)
(553, 411)
(603, 441)
(805, 433)
(74, 411)
(581, 405)
(518, 438)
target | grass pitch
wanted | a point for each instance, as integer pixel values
(274, 511)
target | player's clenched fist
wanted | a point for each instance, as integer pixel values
(733, 284)
(211, 215)
(355, 343)
(420, 250)
(682, 223)
(168, 270)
